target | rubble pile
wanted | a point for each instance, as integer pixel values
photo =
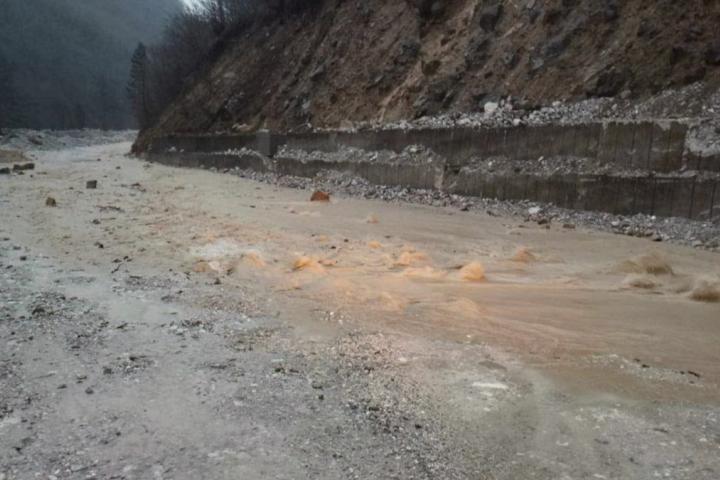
(674, 104)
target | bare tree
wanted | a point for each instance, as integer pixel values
(218, 16)
(187, 43)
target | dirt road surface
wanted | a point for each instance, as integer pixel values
(184, 324)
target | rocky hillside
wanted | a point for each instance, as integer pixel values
(381, 61)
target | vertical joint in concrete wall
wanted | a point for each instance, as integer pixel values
(266, 143)
(692, 199)
(439, 178)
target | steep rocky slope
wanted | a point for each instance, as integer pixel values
(384, 61)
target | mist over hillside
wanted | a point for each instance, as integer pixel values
(65, 63)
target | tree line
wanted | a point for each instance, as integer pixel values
(159, 72)
(64, 63)
(10, 114)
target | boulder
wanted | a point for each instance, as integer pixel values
(320, 196)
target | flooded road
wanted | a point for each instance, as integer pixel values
(252, 333)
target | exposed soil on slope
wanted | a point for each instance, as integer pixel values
(384, 61)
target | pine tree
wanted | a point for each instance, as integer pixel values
(137, 88)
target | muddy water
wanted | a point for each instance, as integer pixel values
(546, 352)
(553, 294)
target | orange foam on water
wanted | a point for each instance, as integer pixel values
(523, 255)
(306, 263)
(473, 272)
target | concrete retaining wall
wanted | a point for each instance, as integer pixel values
(655, 148)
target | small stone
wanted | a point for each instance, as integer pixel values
(320, 196)
(91, 184)
(23, 166)
(534, 210)
(5, 171)
(50, 202)
(569, 226)
(89, 391)
(372, 219)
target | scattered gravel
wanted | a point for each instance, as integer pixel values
(22, 139)
(411, 155)
(696, 105)
(696, 101)
(542, 166)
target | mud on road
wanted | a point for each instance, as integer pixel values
(182, 324)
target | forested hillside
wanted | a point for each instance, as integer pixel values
(64, 63)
